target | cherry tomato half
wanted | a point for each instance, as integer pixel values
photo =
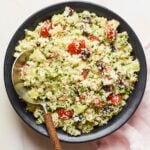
(115, 99)
(45, 29)
(62, 113)
(110, 32)
(76, 47)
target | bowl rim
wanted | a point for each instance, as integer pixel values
(61, 137)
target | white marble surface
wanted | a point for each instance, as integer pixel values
(14, 133)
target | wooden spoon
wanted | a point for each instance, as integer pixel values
(23, 94)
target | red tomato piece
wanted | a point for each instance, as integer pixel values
(54, 55)
(98, 102)
(76, 47)
(94, 38)
(62, 113)
(115, 99)
(24, 69)
(69, 113)
(45, 29)
(85, 73)
(82, 98)
(110, 32)
(105, 72)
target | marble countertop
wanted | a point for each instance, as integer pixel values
(15, 134)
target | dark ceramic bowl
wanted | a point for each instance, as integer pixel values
(132, 102)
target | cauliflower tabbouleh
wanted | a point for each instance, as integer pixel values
(81, 66)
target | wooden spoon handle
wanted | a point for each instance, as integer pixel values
(52, 132)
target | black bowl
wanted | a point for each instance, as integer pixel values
(132, 102)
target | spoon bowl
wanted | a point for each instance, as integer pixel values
(18, 84)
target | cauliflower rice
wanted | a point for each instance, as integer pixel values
(81, 66)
